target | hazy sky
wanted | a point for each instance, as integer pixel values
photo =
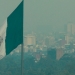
(42, 15)
(6, 7)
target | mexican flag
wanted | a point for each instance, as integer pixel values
(11, 33)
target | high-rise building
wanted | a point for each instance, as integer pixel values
(30, 43)
(49, 41)
(59, 53)
(30, 40)
(61, 43)
(71, 29)
(67, 39)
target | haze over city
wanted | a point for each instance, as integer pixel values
(43, 15)
(48, 47)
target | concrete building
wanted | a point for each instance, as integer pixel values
(71, 28)
(55, 53)
(30, 43)
(49, 41)
(30, 40)
(46, 41)
(59, 53)
(67, 39)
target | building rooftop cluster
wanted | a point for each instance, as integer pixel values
(63, 42)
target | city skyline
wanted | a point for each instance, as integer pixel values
(45, 45)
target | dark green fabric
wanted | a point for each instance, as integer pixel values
(14, 33)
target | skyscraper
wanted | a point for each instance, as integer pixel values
(71, 29)
(59, 53)
(30, 40)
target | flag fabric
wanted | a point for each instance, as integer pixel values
(11, 33)
(2, 39)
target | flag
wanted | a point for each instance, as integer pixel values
(11, 33)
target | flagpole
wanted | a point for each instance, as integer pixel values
(22, 46)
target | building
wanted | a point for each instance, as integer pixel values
(67, 39)
(59, 53)
(30, 40)
(61, 42)
(46, 41)
(30, 43)
(49, 41)
(55, 53)
(71, 29)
